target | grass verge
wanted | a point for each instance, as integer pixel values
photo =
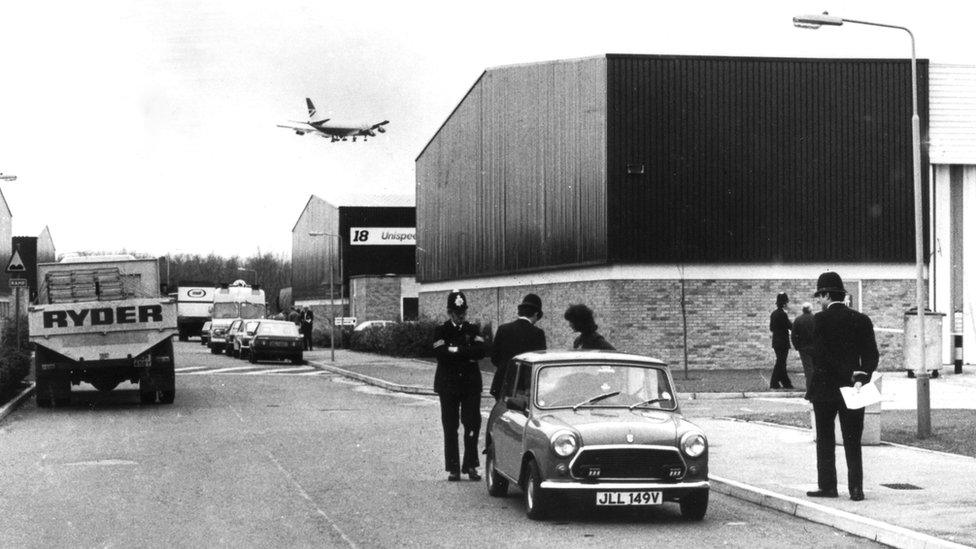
(953, 431)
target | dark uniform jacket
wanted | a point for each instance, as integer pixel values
(458, 350)
(514, 338)
(802, 335)
(780, 325)
(844, 351)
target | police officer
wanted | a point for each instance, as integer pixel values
(458, 347)
(845, 354)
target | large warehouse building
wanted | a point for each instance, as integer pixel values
(676, 196)
(368, 243)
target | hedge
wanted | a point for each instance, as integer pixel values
(407, 339)
(14, 363)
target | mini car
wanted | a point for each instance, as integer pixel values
(242, 337)
(218, 334)
(205, 333)
(277, 340)
(601, 428)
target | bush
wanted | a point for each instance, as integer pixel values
(14, 363)
(408, 339)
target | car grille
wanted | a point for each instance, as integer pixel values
(628, 463)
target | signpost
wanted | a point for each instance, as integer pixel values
(345, 321)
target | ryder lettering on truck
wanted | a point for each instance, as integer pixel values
(103, 316)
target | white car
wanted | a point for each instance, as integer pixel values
(372, 324)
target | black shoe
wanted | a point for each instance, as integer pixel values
(822, 494)
(472, 473)
(857, 494)
(454, 477)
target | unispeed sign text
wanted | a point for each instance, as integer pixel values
(103, 316)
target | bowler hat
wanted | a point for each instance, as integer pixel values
(532, 301)
(456, 301)
(829, 282)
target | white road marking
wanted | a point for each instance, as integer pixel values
(222, 370)
(190, 369)
(289, 370)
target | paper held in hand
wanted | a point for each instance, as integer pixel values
(866, 396)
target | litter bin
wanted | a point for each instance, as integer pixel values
(870, 436)
(933, 342)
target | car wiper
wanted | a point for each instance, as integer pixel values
(648, 401)
(596, 399)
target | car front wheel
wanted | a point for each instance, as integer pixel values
(537, 504)
(694, 505)
(497, 484)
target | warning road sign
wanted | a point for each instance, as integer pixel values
(16, 264)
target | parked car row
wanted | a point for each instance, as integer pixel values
(254, 339)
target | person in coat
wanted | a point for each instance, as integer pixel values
(802, 339)
(307, 321)
(580, 319)
(845, 354)
(458, 347)
(517, 337)
(780, 326)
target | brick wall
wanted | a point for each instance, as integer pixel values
(727, 320)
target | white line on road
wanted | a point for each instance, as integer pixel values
(222, 370)
(308, 498)
(190, 369)
(283, 370)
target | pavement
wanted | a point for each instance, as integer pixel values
(914, 498)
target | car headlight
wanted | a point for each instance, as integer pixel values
(564, 443)
(693, 444)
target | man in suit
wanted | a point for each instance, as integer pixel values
(515, 338)
(780, 326)
(802, 339)
(458, 346)
(845, 354)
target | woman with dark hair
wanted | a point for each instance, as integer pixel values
(580, 319)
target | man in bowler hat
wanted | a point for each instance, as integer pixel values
(517, 337)
(845, 354)
(457, 381)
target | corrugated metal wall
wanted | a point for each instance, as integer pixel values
(761, 160)
(312, 255)
(515, 179)
(953, 111)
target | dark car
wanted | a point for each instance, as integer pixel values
(602, 428)
(276, 340)
(218, 335)
(205, 333)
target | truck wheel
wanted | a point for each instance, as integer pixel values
(297, 360)
(167, 397)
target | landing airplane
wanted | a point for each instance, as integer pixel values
(335, 132)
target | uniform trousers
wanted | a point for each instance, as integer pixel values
(851, 427)
(464, 408)
(779, 378)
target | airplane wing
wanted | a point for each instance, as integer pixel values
(300, 128)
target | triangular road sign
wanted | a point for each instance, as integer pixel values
(16, 264)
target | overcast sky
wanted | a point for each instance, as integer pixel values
(150, 126)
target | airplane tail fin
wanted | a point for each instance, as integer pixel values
(311, 109)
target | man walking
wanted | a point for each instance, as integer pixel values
(517, 337)
(845, 354)
(308, 320)
(457, 381)
(802, 339)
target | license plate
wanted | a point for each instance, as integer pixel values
(279, 343)
(628, 498)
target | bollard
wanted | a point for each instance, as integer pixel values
(957, 352)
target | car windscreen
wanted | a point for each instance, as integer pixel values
(276, 329)
(250, 326)
(614, 385)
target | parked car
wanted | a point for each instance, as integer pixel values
(242, 337)
(218, 334)
(372, 324)
(232, 331)
(600, 427)
(276, 340)
(205, 333)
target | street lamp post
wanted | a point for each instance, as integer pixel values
(921, 374)
(332, 290)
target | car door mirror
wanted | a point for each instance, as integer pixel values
(517, 403)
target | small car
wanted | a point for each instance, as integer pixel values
(278, 340)
(231, 335)
(242, 337)
(218, 334)
(602, 428)
(205, 333)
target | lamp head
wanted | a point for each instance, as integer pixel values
(816, 21)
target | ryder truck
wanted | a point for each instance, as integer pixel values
(102, 321)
